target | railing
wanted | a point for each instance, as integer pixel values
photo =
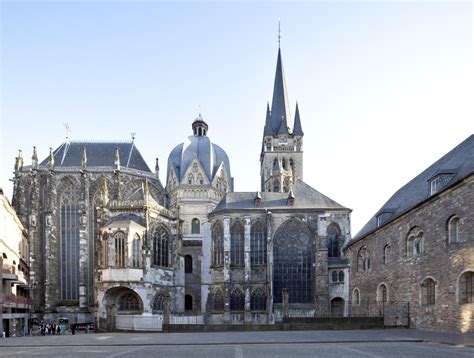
(187, 319)
(11, 298)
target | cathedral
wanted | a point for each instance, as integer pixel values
(111, 244)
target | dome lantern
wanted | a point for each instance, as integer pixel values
(200, 127)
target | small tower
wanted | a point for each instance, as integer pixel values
(200, 127)
(281, 159)
(84, 158)
(157, 168)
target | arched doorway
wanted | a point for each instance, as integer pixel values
(120, 301)
(337, 307)
(188, 303)
(293, 263)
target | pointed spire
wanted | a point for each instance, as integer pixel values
(280, 108)
(297, 130)
(291, 198)
(267, 130)
(258, 198)
(20, 159)
(84, 158)
(34, 159)
(117, 159)
(51, 159)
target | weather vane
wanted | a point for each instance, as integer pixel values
(133, 136)
(68, 130)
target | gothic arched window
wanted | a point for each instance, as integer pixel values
(356, 296)
(200, 179)
(161, 247)
(217, 301)
(104, 249)
(293, 262)
(218, 247)
(237, 300)
(136, 251)
(120, 245)
(334, 277)
(195, 226)
(341, 276)
(333, 240)
(283, 163)
(237, 244)
(415, 242)
(190, 179)
(453, 229)
(129, 302)
(69, 226)
(258, 300)
(276, 185)
(428, 292)
(275, 165)
(363, 260)
(258, 244)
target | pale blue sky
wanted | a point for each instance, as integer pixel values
(384, 88)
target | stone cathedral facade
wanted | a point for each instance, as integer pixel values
(109, 240)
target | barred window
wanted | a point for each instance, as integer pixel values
(428, 292)
(218, 239)
(120, 245)
(195, 226)
(466, 287)
(237, 244)
(453, 230)
(161, 247)
(136, 251)
(382, 295)
(333, 240)
(158, 303)
(237, 300)
(69, 239)
(217, 301)
(363, 260)
(258, 244)
(258, 300)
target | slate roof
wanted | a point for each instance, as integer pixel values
(305, 198)
(210, 156)
(98, 155)
(127, 217)
(459, 162)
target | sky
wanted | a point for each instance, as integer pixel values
(384, 88)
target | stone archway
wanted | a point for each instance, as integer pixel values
(120, 301)
(337, 307)
(293, 263)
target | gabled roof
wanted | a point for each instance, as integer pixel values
(459, 162)
(127, 217)
(305, 198)
(99, 154)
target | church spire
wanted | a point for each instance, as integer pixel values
(297, 130)
(280, 108)
(267, 130)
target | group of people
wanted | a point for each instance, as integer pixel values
(52, 328)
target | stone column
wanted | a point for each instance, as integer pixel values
(321, 290)
(269, 226)
(52, 267)
(248, 314)
(226, 269)
(34, 231)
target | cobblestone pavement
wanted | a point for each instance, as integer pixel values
(366, 343)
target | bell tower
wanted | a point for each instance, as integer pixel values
(281, 159)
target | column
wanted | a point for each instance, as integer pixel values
(247, 272)
(84, 255)
(321, 283)
(269, 225)
(226, 269)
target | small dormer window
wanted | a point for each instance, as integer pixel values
(439, 182)
(384, 216)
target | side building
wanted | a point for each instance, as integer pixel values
(15, 302)
(415, 257)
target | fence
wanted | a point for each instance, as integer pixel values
(395, 313)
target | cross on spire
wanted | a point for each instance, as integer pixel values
(279, 33)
